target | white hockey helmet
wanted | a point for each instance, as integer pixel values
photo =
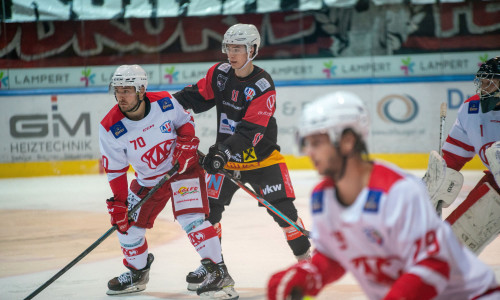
(129, 75)
(242, 34)
(332, 114)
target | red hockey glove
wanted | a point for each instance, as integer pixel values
(119, 215)
(185, 152)
(300, 279)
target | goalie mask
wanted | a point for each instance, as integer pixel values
(242, 34)
(332, 114)
(487, 84)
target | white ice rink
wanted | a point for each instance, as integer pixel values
(48, 221)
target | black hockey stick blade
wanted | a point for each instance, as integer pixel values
(261, 200)
(165, 178)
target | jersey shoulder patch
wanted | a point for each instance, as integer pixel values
(372, 201)
(263, 84)
(224, 67)
(118, 129)
(473, 107)
(317, 197)
(165, 104)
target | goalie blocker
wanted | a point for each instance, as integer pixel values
(476, 221)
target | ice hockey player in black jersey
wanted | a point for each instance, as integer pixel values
(246, 145)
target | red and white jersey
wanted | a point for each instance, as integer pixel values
(472, 133)
(391, 229)
(147, 144)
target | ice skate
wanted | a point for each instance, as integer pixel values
(305, 256)
(218, 284)
(132, 281)
(195, 278)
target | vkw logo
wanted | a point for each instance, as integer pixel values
(398, 109)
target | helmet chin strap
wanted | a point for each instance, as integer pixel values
(246, 63)
(136, 107)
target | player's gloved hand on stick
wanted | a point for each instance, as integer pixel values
(185, 152)
(302, 279)
(217, 157)
(119, 214)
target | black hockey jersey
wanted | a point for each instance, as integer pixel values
(245, 109)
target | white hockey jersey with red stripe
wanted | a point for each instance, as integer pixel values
(391, 229)
(147, 144)
(472, 133)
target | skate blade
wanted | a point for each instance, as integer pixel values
(193, 287)
(132, 289)
(227, 293)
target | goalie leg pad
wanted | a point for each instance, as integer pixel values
(443, 183)
(476, 221)
(493, 156)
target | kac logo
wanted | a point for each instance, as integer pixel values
(397, 109)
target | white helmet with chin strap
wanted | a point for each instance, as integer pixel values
(129, 75)
(332, 114)
(243, 34)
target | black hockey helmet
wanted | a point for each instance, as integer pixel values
(489, 72)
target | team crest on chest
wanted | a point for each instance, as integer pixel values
(166, 127)
(374, 236)
(249, 93)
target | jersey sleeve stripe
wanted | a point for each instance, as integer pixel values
(460, 144)
(458, 151)
(436, 265)
(117, 171)
(495, 291)
(454, 161)
(204, 85)
(429, 277)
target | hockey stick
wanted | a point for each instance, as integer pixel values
(107, 234)
(442, 115)
(261, 200)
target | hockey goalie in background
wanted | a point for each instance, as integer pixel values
(476, 221)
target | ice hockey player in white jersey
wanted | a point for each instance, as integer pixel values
(372, 219)
(476, 131)
(151, 132)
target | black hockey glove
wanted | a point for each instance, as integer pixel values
(217, 157)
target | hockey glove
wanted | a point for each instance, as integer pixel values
(185, 152)
(217, 157)
(119, 215)
(300, 279)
